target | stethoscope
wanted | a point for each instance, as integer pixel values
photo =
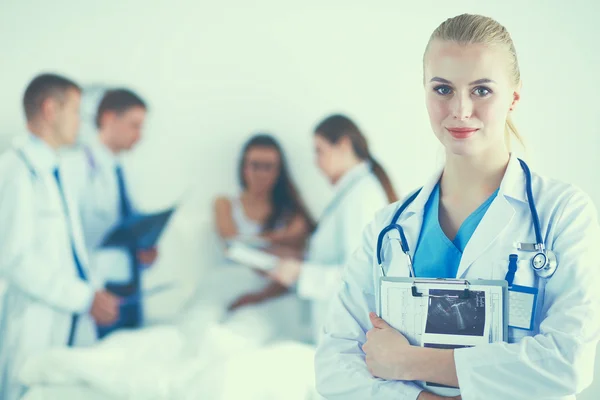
(544, 262)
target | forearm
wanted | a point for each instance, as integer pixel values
(52, 287)
(432, 365)
(273, 289)
(430, 396)
(287, 238)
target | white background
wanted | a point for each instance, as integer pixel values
(215, 73)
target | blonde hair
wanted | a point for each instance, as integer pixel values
(477, 29)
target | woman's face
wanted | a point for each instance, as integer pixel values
(330, 157)
(261, 169)
(469, 94)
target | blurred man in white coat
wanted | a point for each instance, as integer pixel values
(105, 201)
(50, 292)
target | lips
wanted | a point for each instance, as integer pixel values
(462, 133)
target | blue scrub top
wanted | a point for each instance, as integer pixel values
(436, 256)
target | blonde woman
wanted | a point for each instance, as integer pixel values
(464, 224)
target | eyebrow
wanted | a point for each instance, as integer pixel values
(477, 82)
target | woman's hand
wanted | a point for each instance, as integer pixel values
(147, 256)
(388, 352)
(287, 272)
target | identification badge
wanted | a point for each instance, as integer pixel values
(521, 306)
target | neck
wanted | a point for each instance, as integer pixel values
(350, 163)
(472, 175)
(103, 136)
(45, 134)
(256, 197)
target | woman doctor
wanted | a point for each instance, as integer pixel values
(361, 188)
(464, 223)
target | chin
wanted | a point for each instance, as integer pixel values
(460, 150)
(460, 147)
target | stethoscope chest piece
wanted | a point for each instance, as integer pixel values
(544, 263)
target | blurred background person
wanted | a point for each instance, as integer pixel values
(51, 294)
(269, 205)
(105, 201)
(268, 211)
(361, 187)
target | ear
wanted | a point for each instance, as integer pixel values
(516, 96)
(49, 109)
(345, 143)
(107, 118)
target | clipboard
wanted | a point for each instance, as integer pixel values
(137, 297)
(142, 230)
(445, 314)
(416, 286)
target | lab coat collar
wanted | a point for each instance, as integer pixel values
(490, 227)
(513, 183)
(40, 155)
(350, 176)
(417, 207)
(102, 154)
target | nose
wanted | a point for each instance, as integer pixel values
(462, 107)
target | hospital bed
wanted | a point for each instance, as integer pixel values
(183, 353)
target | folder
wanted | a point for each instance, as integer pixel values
(245, 254)
(143, 230)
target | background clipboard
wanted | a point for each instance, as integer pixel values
(142, 230)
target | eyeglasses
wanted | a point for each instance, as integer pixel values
(261, 166)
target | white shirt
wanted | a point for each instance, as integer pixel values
(357, 196)
(554, 361)
(246, 227)
(44, 289)
(93, 171)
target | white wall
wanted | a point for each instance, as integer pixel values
(214, 73)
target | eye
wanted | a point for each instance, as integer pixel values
(443, 90)
(481, 91)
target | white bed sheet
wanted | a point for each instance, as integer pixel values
(196, 357)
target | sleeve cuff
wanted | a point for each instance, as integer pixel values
(317, 282)
(463, 361)
(306, 281)
(82, 297)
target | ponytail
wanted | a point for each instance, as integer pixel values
(511, 129)
(384, 179)
(336, 126)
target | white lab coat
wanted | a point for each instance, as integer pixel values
(92, 170)
(554, 361)
(357, 197)
(43, 287)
